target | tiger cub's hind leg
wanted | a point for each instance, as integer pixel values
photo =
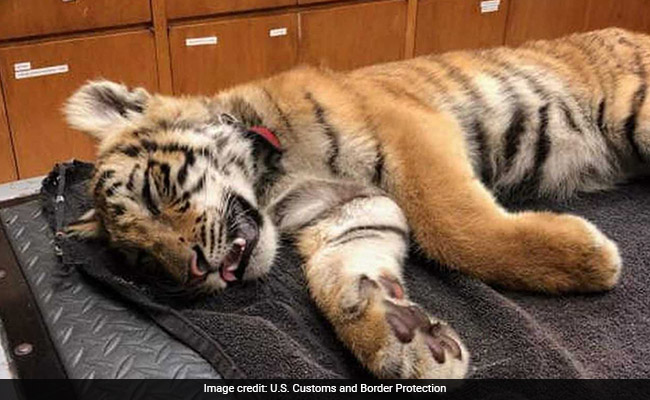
(458, 222)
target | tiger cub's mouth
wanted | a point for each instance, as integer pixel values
(232, 266)
(229, 266)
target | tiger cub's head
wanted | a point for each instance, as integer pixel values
(176, 181)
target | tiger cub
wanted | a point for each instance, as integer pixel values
(354, 164)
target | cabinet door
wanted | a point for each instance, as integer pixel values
(38, 17)
(352, 36)
(212, 56)
(628, 14)
(190, 8)
(546, 19)
(7, 164)
(444, 25)
(48, 73)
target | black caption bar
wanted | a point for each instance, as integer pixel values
(324, 389)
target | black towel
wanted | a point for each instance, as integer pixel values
(271, 329)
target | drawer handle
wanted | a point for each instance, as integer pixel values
(490, 6)
(201, 41)
(278, 32)
(33, 73)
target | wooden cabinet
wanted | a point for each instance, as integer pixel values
(7, 163)
(38, 17)
(444, 25)
(244, 40)
(35, 94)
(212, 56)
(352, 36)
(190, 8)
(545, 19)
(629, 14)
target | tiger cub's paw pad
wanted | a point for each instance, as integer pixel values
(419, 345)
(408, 320)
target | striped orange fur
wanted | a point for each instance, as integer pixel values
(422, 147)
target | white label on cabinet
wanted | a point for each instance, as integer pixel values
(23, 66)
(278, 32)
(201, 41)
(490, 6)
(33, 73)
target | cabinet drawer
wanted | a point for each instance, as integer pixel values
(628, 14)
(353, 36)
(7, 165)
(442, 25)
(190, 8)
(35, 95)
(20, 18)
(212, 56)
(548, 19)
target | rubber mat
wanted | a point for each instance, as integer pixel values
(95, 334)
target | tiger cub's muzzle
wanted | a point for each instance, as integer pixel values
(243, 226)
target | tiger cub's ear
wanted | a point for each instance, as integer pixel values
(86, 227)
(103, 107)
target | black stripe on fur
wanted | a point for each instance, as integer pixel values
(378, 171)
(513, 136)
(281, 114)
(631, 122)
(366, 229)
(146, 192)
(530, 184)
(101, 181)
(329, 131)
(480, 136)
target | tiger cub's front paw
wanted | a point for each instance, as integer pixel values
(420, 346)
(396, 338)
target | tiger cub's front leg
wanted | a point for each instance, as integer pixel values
(354, 241)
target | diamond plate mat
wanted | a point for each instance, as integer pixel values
(95, 335)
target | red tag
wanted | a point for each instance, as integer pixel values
(268, 135)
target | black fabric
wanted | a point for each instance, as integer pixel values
(270, 328)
